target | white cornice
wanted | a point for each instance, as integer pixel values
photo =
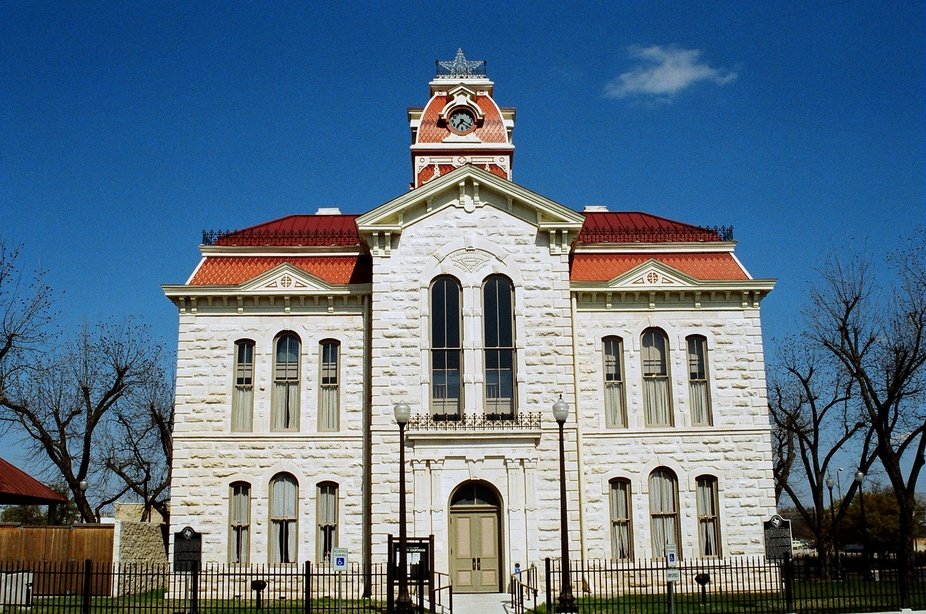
(469, 145)
(218, 251)
(673, 248)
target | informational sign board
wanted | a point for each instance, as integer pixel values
(417, 556)
(671, 555)
(339, 559)
(188, 550)
(777, 538)
(673, 574)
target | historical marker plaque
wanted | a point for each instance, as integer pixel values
(188, 550)
(777, 538)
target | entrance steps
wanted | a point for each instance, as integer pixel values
(481, 603)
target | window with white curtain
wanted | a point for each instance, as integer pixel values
(284, 411)
(283, 519)
(499, 349)
(663, 509)
(328, 410)
(327, 513)
(698, 389)
(446, 348)
(621, 527)
(613, 351)
(239, 523)
(243, 396)
(708, 516)
(657, 401)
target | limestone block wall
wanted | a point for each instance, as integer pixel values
(209, 457)
(470, 244)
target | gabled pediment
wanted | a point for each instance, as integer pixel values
(653, 274)
(284, 279)
(469, 188)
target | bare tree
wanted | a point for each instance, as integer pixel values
(880, 339)
(141, 450)
(64, 399)
(810, 410)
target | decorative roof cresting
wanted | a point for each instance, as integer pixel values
(459, 67)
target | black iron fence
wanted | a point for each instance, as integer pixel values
(98, 588)
(740, 585)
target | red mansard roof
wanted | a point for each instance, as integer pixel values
(18, 488)
(706, 267)
(635, 227)
(492, 129)
(307, 230)
(234, 270)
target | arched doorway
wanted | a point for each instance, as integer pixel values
(475, 538)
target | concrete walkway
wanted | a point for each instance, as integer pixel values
(481, 603)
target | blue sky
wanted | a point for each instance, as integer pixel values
(127, 128)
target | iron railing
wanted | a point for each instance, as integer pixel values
(653, 235)
(252, 238)
(525, 587)
(737, 585)
(475, 422)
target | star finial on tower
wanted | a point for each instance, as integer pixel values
(459, 66)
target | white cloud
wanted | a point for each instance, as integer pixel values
(664, 72)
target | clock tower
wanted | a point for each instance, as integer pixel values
(461, 124)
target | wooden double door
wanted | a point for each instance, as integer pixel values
(475, 563)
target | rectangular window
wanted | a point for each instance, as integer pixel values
(328, 412)
(239, 523)
(446, 349)
(243, 397)
(708, 517)
(621, 534)
(327, 537)
(283, 492)
(285, 398)
(615, 415)
(698, 391)
(663, 505)
(657, 404)
(498, 337)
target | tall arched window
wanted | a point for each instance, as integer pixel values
(283, 519)
(498, 337)
(327, 513)
(446, 348)
(708, 516)
(239, 523)
(657, 401)
(243, 397)
(613, 351)
(621, 526)
(663, 509)
(284, 413)
(698, 389)
(328, 385)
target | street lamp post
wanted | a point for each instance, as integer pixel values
(859, 479)
(566, 601)
(829, 484)
(403, 603)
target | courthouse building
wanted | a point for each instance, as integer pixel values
(477, 302)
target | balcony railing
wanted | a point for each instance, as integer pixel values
(474, 422)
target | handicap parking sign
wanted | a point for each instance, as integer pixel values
(339, 559)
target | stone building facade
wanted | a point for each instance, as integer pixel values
(479, 303)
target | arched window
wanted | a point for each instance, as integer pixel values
(283, 519)
(243, 396)
(284, 413)
(657, 400)
(708, 516)
(239, 523)
(621, 525)
(446, 348)
(613, 351)
(698, 389)
(498, 337)
(327, 514)
(663, 509)
(328, 388)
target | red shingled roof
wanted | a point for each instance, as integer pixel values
(706, 267)
(18, 488)
(234, 270)
(635, 227)
(308, 230)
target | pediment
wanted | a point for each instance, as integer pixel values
(467, 187)
(653, 274)
(285, 279)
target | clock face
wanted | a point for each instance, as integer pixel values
(461, 121)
